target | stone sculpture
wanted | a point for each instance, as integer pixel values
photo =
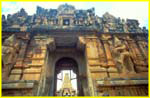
(81, 18)
(122, 57)
(10, 49)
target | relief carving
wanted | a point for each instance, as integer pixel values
(10, 49)
(122, 57)
(107, 41)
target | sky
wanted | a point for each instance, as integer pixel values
(124, 10)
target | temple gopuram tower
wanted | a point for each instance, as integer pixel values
(108, 55)
(67, 89)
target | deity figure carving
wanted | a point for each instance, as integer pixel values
(122, 57)
(10, 48)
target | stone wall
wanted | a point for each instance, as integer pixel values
(116, 56)
(28, 66)
(106, 48)
(105, 61)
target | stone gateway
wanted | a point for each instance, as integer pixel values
(105, 56)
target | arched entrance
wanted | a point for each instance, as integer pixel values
(66, 78)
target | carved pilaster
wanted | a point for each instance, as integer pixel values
(136, 55)
(105, 39)
(101, 53)
(142, 45)
(91, 49)
(144, 60)
(108, 54)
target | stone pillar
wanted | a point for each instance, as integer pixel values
(92, 51)
(71, 21)
(90, 82)
(108, 54)
(105, 38)
(144, 51)
(92, 58)
(60, 20)
(135, 52)
(16, 72)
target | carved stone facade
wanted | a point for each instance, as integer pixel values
(110, 60)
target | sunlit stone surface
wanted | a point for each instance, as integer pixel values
(109, 55)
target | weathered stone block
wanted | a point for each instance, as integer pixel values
(35, 65)
(101, 69)
(16, 71)
(31, 76)
(42, 55)
(32, 70)
(18, 63)
(92, 51)
(133, 75)
(99, 75)
(114, 75)
(112, 70)
(38, 61)
(141, 69)
(94, 62)
(14, 77)
(98, 69)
